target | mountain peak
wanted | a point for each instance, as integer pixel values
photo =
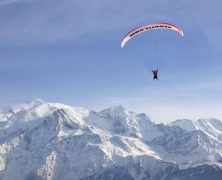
(37, 101)
(114, 109)
(185, 124)
(19, 107)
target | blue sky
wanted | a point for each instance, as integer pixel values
(69, 51)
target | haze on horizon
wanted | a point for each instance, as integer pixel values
(69, 52)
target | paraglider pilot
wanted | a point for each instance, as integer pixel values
(155, 73)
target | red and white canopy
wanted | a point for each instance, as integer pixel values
(148, 27)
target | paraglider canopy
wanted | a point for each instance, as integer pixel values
(148, 27)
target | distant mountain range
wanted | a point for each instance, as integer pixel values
(54, 141)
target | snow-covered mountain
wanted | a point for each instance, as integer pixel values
(43, 140)
(212, 127)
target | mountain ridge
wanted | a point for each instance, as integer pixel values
(43, 140)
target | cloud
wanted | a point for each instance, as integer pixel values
(55, 21)
(50, 21)
(9, 2)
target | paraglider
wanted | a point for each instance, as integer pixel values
(155, 73)
(148, 27)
